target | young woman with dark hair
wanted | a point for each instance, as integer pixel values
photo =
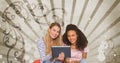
(74, 37)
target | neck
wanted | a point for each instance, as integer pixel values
(73, 46)
(51, 42)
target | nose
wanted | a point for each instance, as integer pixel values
(56, 33)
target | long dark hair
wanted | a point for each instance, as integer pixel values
(81, 39)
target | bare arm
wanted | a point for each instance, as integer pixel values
(84, 55)
(68, 60)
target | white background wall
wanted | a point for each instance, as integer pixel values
(23, 22)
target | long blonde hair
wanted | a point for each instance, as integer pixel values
(48, 39)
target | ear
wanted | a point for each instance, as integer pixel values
(77, 36)
(49, 30)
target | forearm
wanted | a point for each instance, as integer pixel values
(68, 60)
(84, 55)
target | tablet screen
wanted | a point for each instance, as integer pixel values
(58, 49)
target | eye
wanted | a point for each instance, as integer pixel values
(54, 30)
(73, 35)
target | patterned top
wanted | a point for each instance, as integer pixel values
(42, 47)
(77, 55)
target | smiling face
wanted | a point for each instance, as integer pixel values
(72, 36)
(54, 32)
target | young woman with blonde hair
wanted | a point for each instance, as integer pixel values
(52, 38)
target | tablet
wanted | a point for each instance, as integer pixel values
(58, 49)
